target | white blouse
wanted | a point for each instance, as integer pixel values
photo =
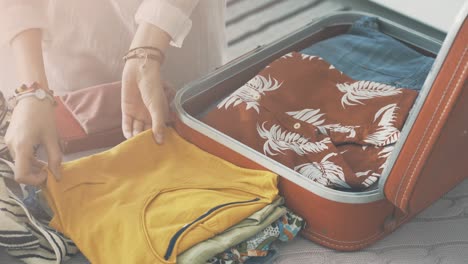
(84, 40)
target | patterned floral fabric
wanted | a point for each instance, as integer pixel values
(284, 229)
(303, 112)
(5, 115)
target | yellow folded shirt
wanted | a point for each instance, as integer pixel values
(141, 202)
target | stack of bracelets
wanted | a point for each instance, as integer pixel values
(33, 90)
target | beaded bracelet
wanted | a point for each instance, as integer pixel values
(33, 90)
(144, 53)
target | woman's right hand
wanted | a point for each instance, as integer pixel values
(33, 124)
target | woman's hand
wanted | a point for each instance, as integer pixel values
(33, 120)
(33, 124)
(144, 103)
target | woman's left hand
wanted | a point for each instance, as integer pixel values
(144, 102)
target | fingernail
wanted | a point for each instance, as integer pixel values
(127, 134)
(159, 138)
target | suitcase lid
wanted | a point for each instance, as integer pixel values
(428, 116)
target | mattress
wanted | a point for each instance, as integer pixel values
(437, 235)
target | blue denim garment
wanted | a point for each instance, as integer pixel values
(364, 53)
(33, 204)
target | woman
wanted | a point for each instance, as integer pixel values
(67, 45)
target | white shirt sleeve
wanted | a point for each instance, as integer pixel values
(19, 15)
(172, 16)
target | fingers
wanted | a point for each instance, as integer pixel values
(29, 121)
(38, 166)
(54, 156)
(138, 127)
(156, 103)
(24, 173)
(127, 120)
(38, 169)
(127, 125)
(132, 127)
(150, 94)
(159, 111)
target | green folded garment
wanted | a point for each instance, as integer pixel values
(202, 252)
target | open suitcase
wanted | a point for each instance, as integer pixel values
(430, 158)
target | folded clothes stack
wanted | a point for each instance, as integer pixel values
(156, 200)
(258, 249)
(141, 202)
(250, 239)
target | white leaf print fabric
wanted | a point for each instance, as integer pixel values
(324, 172)
(384, 136)
(371, 177)
(251, 92)
(311, 116)
(387, 133)
(278, 141)
(350, 130)
(385, 154)
(387, 115)
(364, 90)
(287, 55)
(308, 57)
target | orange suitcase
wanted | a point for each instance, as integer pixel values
(430, 158)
